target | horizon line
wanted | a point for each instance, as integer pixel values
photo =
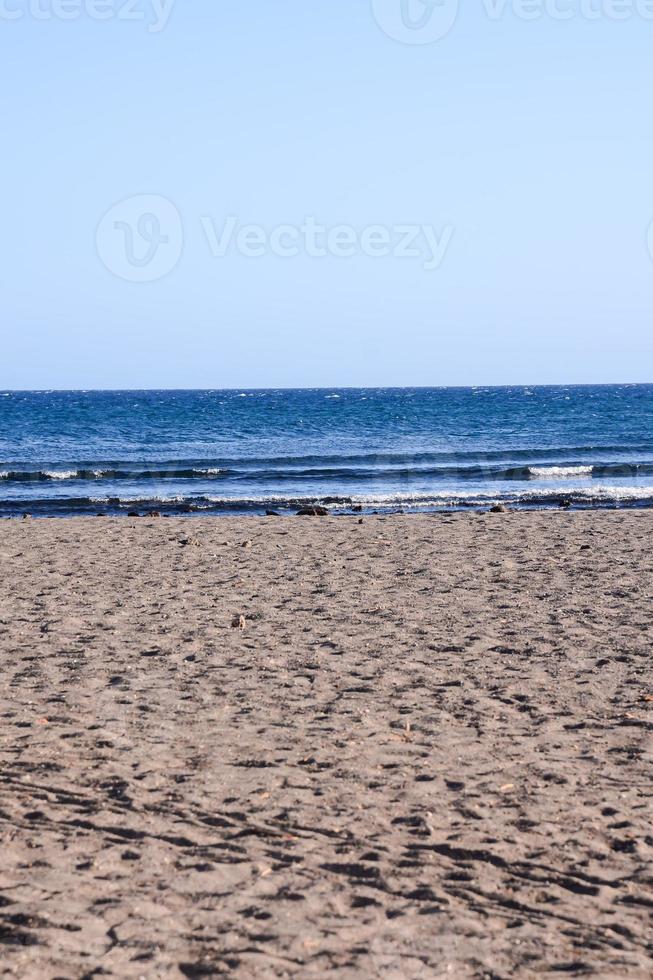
(452, 387)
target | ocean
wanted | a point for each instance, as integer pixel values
(242, 452)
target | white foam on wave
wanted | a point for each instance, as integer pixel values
(560, 472)
(607, 494)
(600, 494)
(453, 498)
(60, 474)
(136, 498)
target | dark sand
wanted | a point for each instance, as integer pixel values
(426, 754)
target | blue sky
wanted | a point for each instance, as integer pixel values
(523, 146)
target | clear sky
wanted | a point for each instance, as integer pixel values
(522, 144)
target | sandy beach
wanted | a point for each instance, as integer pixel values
(412, 746)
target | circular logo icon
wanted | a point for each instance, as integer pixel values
(415, 21)
(141, 238)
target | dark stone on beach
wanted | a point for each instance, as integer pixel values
(313, 512)
(133, 513)
(498, 509)
(357, 508)
(272, 513)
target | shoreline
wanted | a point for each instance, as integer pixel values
(295, 747)
(174, 510)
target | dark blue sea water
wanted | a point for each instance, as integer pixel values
(64, 453)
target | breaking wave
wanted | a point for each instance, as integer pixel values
(371, 468)
(579, 497)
